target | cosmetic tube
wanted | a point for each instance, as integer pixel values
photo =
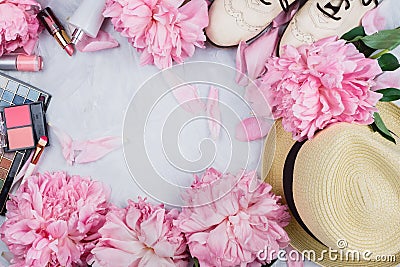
(87, 19)
(55, 28)
(21, 63)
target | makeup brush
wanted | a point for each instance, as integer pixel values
(32, 165)
(36, 155)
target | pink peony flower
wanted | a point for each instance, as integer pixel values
(19, 27)
(141, 235)
(316, 85)
(53, 220)
(241, 217)
(160, 29)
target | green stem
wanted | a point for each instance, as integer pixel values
(196, 262)
(380, 54)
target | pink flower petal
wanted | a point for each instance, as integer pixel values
(293, 257)
(164, 248)
(29, 46)
(93, 150)
(112, 257)
(57, 229)
(388, 79)
(103, 41)
(186, 94)
(252, 129)
(258, 52)
(241, 66)
(188, 99)
(285, 17)
(251, 58)
(218, 239)
(151, 229)
(196, 12)
(66, 144)
(112, 11)
(214, 113)
(152, 260)
(175, 3)
(258, 100)
(373, 21)
(85, 151)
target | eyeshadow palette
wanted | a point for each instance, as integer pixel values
(10, 164)
(14, 92)
(24, 125)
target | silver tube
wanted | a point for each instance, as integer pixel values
(8, 63)
(77, 35)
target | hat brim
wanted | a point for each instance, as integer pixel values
(279, 142)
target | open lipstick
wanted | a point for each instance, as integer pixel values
(21, 63)
(55, 28)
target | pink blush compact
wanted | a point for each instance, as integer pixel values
(20, 138)
(18, 116)
(23, 124)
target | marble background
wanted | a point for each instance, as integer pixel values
(91, 93)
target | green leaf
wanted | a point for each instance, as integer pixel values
(354, 34)
(386, 39)
(367, 51)
(388, 62)
(196, 262)
(389, 94)
(380, 127)
(374, 127)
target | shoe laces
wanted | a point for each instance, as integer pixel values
(367, 2)
(335, 9)
(284, 4)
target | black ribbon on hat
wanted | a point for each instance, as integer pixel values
(288, 170)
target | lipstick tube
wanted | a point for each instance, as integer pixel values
(55, 28)
(21, 63)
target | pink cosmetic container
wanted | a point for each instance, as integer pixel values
(21, 63)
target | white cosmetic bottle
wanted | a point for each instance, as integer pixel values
(87, 19)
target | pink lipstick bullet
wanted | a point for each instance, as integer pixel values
(55, 28)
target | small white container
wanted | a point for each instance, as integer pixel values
(87, 19)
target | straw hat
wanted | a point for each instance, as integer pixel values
(342, 189)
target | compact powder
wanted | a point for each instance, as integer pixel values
(20, 138)
(18, 116)
(30, 121)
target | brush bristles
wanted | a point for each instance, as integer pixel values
(43, 141)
